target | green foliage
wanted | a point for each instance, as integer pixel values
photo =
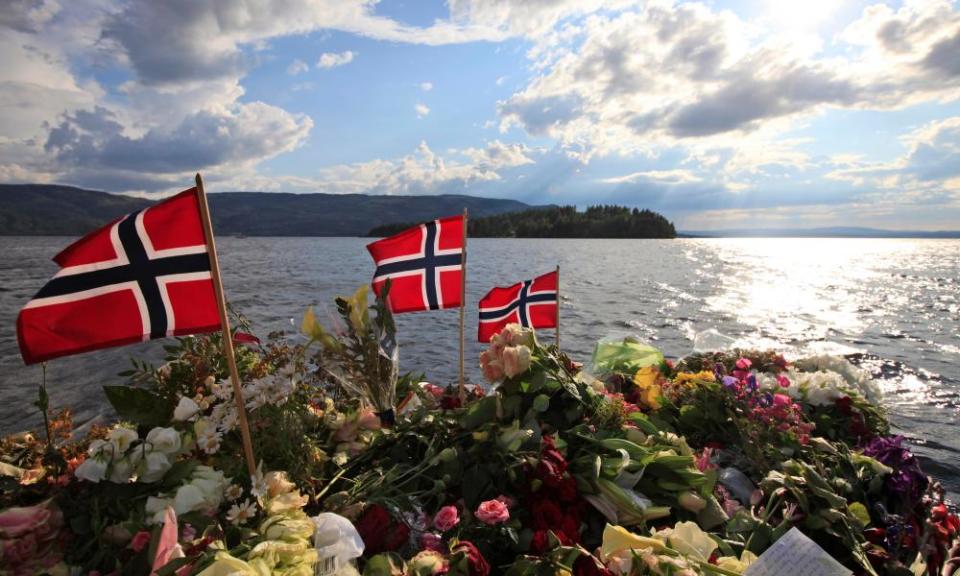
(362, 360)
(140, 406)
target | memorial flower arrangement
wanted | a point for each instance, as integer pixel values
(635, 465)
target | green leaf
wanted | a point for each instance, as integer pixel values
(385, 564)
(179, 472)
(139, 406)
(541, 403)
(480, 412)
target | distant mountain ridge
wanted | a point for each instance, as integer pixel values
(824, 232)
(41, 209)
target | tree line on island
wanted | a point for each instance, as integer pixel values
(561, 222)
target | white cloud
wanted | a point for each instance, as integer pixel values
(334, 59)
(426, 86)
(421, 172)
(929, 170)
(634, 81)
(91, 148)
(676, 176)
(421, 109)
(297, 67)
(501, 80)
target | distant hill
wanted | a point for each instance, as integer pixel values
(39, 209)
(562, 222)
(830, 232)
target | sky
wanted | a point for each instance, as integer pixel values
(718, 114)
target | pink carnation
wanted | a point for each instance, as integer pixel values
(446, 518)
(493, 512)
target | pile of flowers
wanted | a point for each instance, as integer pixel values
(637, 465)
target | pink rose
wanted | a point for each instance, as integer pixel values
(744, 363)
(492, 512)
(446, 518)
(16, 522)
(369, 420)
(431, 541)
(492, 367)
(140, 541)
(781, 400)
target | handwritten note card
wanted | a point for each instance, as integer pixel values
(796, 555)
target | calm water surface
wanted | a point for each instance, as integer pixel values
(897, 301)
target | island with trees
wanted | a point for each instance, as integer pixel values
(562, 222)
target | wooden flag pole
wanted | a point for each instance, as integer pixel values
(225, 325)
(558, 307)
(463, 303)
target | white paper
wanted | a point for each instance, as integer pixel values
(796, 555)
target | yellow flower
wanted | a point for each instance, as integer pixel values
(732, 564)
(646, 381)
(225, 565)
(617, 538)
(692, 377)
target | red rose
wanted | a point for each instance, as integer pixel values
(399, 535)
(587, 565)
(844, 404)
(379, 532)
(476, 563)
(540, 542)
(570, 526)
(567, 490)
(546, 515)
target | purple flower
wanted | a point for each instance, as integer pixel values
(730, 381)
(907, 480)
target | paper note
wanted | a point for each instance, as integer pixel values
(796, 555)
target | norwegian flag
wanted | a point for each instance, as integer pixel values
(531, 303)
(424, 265)
(146, 275)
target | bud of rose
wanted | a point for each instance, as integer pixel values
(692, 502)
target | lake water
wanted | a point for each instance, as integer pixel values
(896, 300)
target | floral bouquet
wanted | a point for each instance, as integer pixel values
(362, 358)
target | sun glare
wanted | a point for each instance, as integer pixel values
(798, 16)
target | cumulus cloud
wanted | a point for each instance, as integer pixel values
(189, 40)
(426, 86)
(675, 176)
(93, 148)
(27, 15)
(929, 170)
(421, 172)
(334, 59)
(421, 109)
(635, 80)
(297, 67)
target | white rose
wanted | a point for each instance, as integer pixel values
(186, 409)
(92, 470)
(155, 464)
(166, 440)
(188, 499)
(95, 447)
(122, 439)
(516, 360)
(122, 468)
(156, 507)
